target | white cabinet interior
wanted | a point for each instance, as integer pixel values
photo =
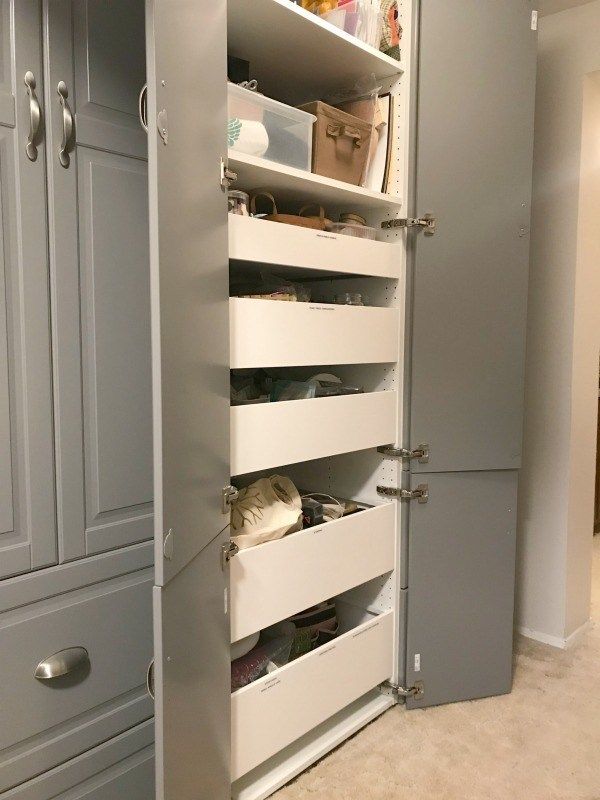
(283, 722)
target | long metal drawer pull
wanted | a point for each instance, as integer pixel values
(35, 116)
(143, 107)
(63, 152)
(62, 663)
(150, 679)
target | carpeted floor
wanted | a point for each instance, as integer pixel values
(542, 742)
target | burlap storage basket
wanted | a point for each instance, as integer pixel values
(340, 143)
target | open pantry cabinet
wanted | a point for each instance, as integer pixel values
(423, 589)
(263, 734)
(246, 744)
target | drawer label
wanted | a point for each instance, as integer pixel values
(330, 649)
(366, 630)
(271, 684)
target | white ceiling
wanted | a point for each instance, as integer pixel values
(552, 6)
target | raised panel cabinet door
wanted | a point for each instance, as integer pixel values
(474, 142)
(27, 503)
(100, 274)
(187, 120)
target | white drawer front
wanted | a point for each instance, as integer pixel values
(273, 243)
(44, 722)
(269, 435)
(276, 710)
(269, 333)
(275, 580)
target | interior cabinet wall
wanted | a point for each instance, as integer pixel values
(27, 520)
(100, 277)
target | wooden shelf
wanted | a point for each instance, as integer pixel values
(291, 185)
(307, 251)
(295, 55)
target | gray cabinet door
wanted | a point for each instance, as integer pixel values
(27, 506)
(187, 102)
(100, 274)
(476, 87)
(461, 593)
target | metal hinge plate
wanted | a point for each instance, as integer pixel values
(162, 123)
(421, 453)
(428, 223)
(228, 176)
(228, 551)
(391, 689)
(421, 493)
(229, 494)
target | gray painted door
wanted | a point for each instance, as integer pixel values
(460, 598)
(476, 90)
(186, 47)
(27, 505)
(100, 275)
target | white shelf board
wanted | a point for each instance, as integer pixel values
(295, 55)
(307, 251)
(291, 185)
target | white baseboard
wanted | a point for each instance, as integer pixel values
(557, 641)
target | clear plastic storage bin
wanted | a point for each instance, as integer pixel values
(267, 129)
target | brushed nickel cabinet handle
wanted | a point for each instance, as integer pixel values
(63, 152)
(35, 117)
(62, 663)
(150, 679)
(143, 107)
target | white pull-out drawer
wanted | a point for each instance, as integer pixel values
(275, 580)
(270, 333)
(268, 435)
(273, 243)
(274, 711)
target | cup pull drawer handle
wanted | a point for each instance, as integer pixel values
(62, 663)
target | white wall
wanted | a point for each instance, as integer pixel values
(557, 482)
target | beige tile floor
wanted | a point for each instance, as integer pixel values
(542, 742)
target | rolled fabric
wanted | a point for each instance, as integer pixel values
(248, 137)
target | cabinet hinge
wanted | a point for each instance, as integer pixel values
(421, 493)
(228, 176)
(416, 691)
(427, 223)
(229, 494)
(421, 453)
(228, 551)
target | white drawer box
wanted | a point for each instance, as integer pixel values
(268, 435)
(274, 711)
(275, 580)
(276, 244)
(271, 333)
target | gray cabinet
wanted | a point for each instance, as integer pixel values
(27, 512)
(474, 144)
(100, 280)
